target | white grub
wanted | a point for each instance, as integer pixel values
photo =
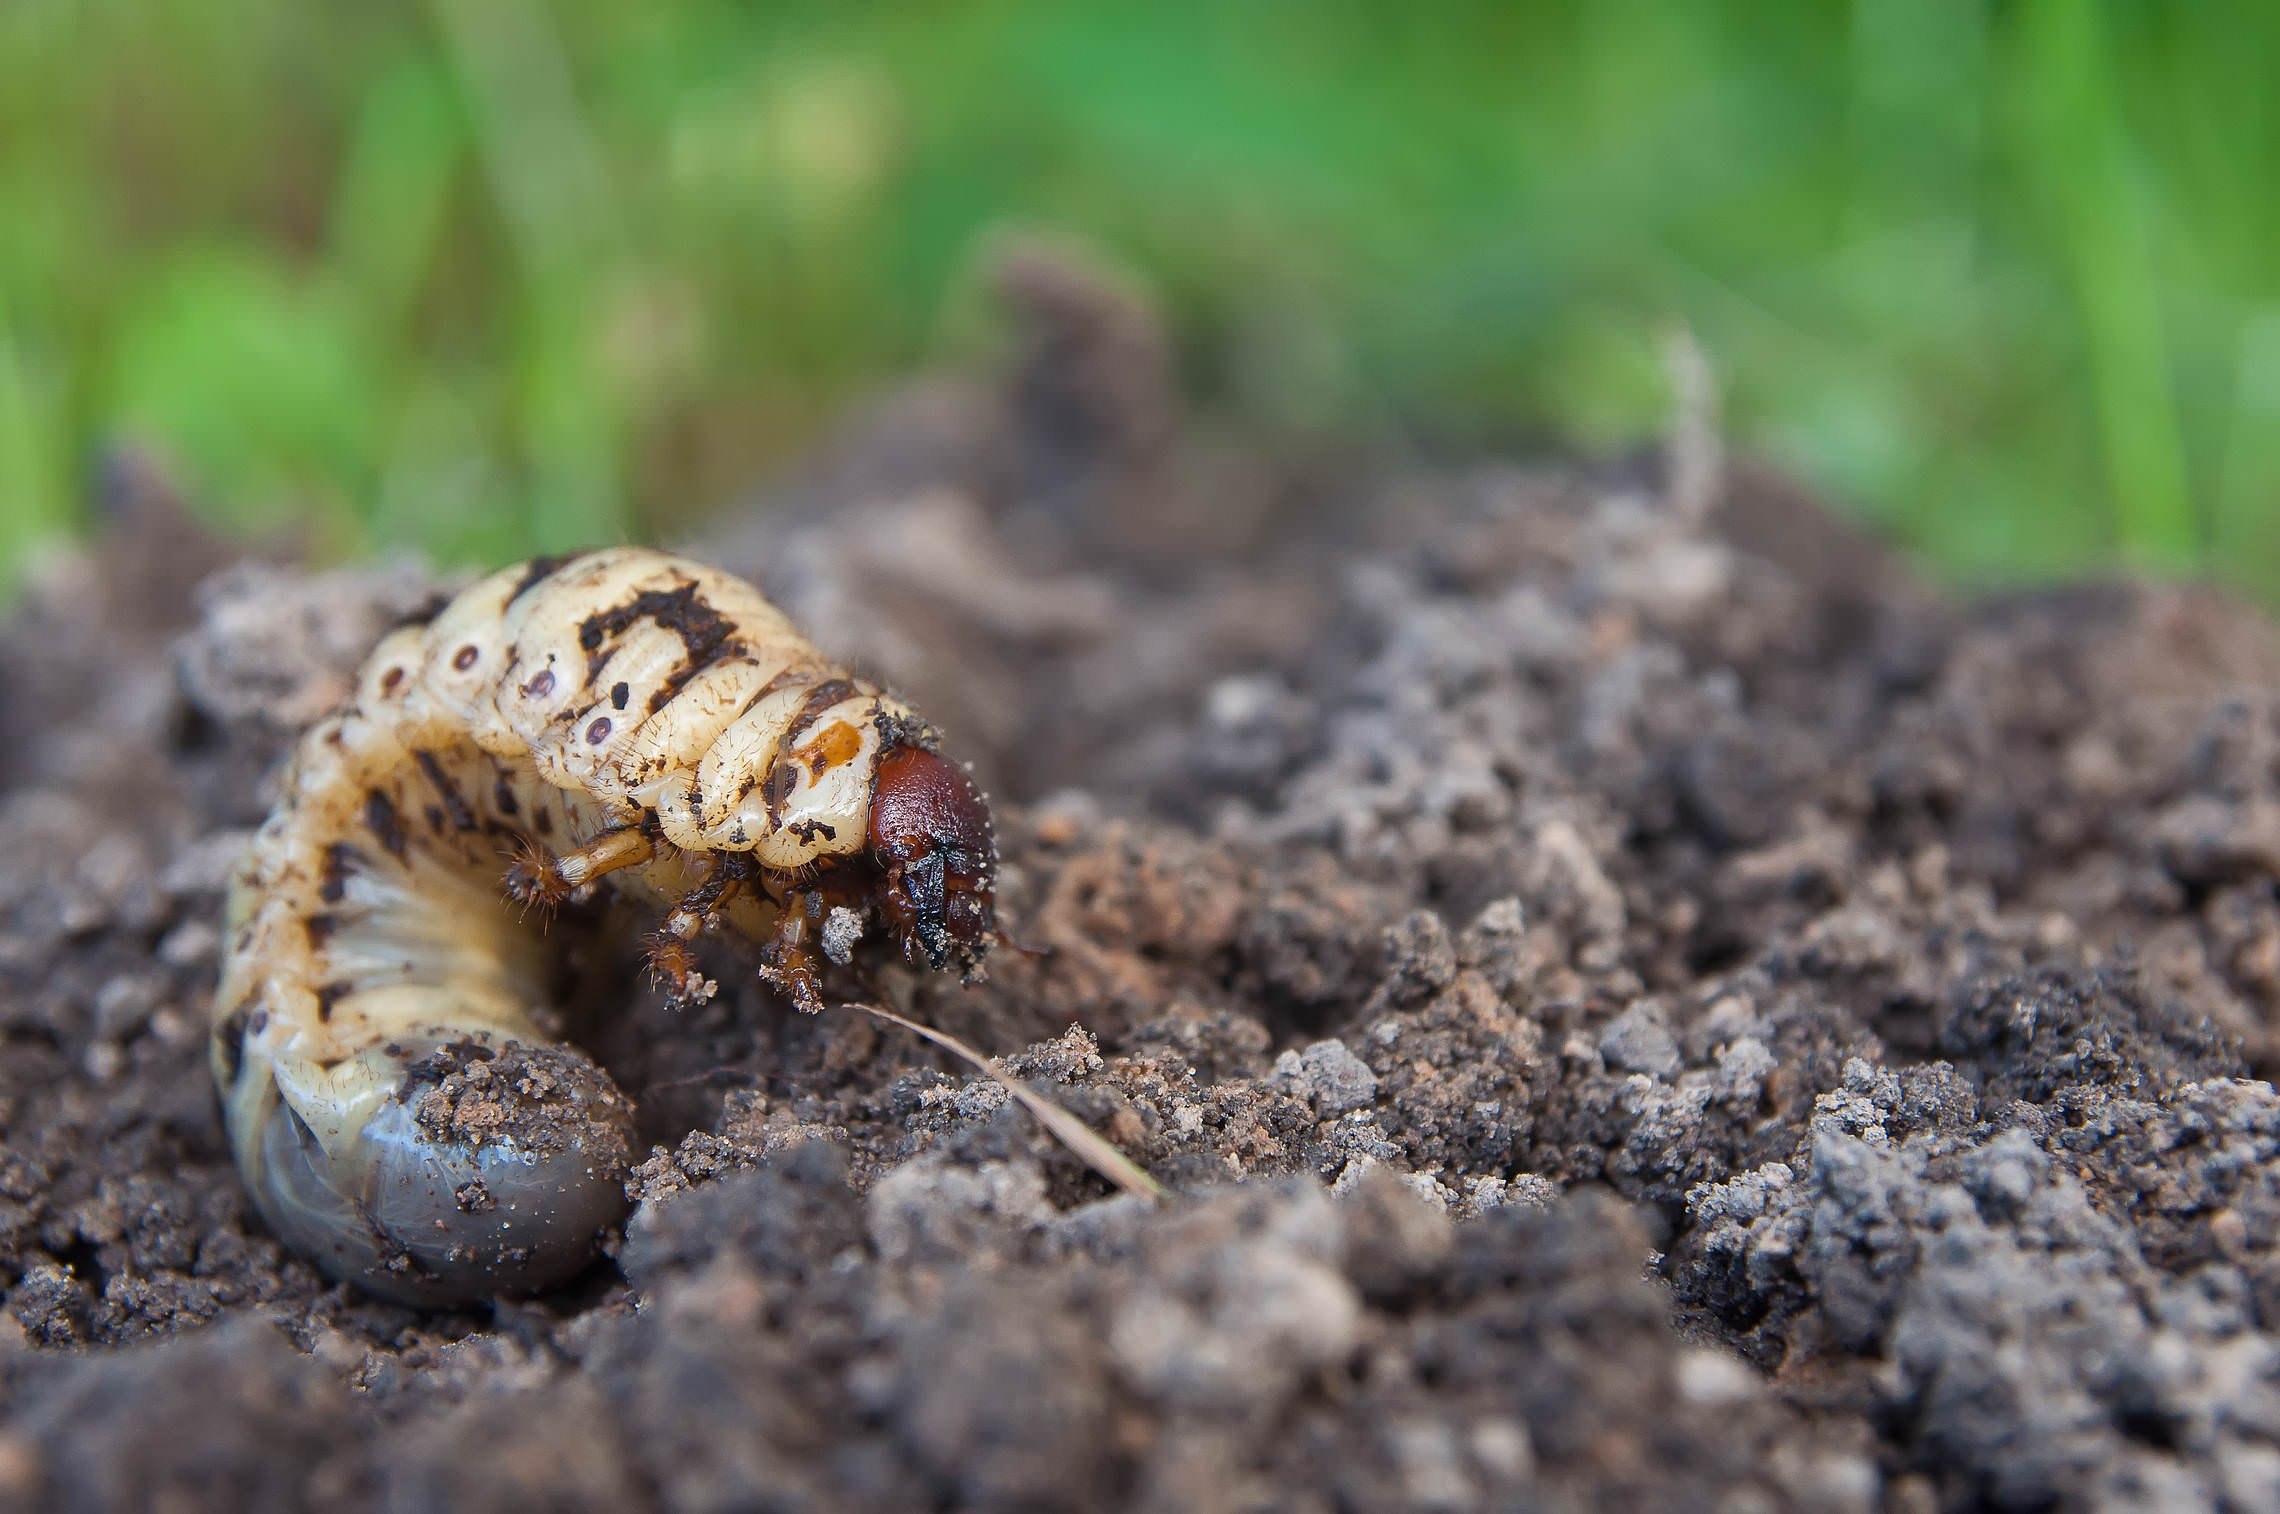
(621, 719)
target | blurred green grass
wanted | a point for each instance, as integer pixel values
(490, 277)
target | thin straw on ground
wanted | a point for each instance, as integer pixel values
(1096, 1150)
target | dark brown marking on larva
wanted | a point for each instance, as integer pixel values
(329, 994)
(503, 796)
(436, 823)
(543, 821)
(823, 696)
(425, 611)
(390, 679)
(341, 859)
(230, 1037)
(776, 791)
(540, 570)
(797, 673)
(257, 1022)
(541, 684)
(690, 668)
(596, 661)
(454, 802)
(676, 680)
(381, 819)
(619, 693)
(651, 826)
(319, 927)
(598, 732)
(681, 610)
(464, 658)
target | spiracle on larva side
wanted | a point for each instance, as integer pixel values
(394, 1105)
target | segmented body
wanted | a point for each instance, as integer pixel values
(395, 1107)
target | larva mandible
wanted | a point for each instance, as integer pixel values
(396, 1110)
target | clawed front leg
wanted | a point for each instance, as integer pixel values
(788, 962)
(672, 958)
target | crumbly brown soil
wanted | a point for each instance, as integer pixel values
(1640, 1011)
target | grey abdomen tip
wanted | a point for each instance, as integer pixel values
(489, 1171)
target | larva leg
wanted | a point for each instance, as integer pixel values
(673, 967)
(544, 879)
(788, 962)
(671, 962)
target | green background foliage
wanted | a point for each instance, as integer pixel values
(495, 275)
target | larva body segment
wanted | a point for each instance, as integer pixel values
(394, 1103)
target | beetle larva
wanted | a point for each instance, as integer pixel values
(397, 1111)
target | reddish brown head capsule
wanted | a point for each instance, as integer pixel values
(936, 853)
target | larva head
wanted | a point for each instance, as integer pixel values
(936, 853)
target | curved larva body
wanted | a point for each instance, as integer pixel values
(395, 1107)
